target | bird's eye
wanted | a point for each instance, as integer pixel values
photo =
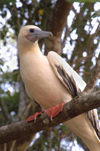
(31, 30)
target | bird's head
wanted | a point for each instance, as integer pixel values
(31, 34)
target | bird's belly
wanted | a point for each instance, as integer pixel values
(45, 87)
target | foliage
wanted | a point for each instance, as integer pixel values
(80, 44)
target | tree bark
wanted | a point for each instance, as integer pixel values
(56, 24)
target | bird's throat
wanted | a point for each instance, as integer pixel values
(33, 48)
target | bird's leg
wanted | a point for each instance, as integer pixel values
(51, 112)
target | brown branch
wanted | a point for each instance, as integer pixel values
(67, 33)
(56, 24)
(23, 101)
(58, 17)
(73, 108)
(38, 141)
(5, 111)
(95, 74)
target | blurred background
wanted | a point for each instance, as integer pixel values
(76, 30)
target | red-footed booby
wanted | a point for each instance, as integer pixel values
(51, 81)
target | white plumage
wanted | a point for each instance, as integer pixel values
(51, 81)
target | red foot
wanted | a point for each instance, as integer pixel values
(51, 112)
(33, 117)
(54, 111)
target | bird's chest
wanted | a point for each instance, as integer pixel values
(41, 83)
(38, 78)
(36, 73)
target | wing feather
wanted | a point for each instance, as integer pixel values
(93, 117)
(65, 72)
(68, 81)
(73, 83)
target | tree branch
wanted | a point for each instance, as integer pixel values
(5, 111)
(56, 23)
(71, 109)
(57, 20)
(95, 74)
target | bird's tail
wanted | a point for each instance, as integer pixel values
(83, 128)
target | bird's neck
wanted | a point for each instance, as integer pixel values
(33, 48)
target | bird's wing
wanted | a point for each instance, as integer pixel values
(69, 78)
(73, 82)
(93, 117)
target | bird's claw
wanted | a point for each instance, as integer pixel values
(33, 117)
(51, 112)
(54, 111)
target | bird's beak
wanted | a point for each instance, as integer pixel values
(43, 34)
(38, 34)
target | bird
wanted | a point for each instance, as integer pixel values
(51, 81)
